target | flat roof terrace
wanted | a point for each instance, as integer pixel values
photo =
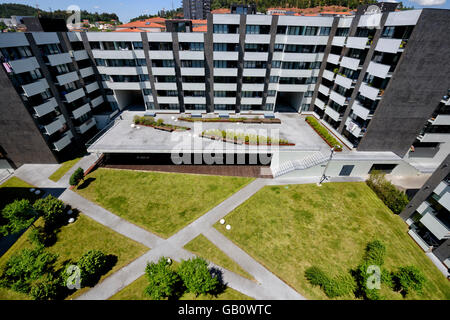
(122, 138)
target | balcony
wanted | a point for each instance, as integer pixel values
(333, 114)
(361, 111)
(123, 85)
(295, 73)
(254, 72)
(74, 95)
(60, 58)
(252, 86)
(328, 75)
(437, 227)
(163, 71)
(225, 86)
(225, 72)
(46, 107)
(97, 101)
(333, 58)
(192, 71)
(64, 141)
(81, 111)
(34, 88)
(224, 100)
(194, 100)
(80, 55)
(257, 38)
(319, 103)
(338, 41)
(114, 54)
(251, 100)
(378, 69)
(92, 87)
(347, 83)
(193, 86)
(256, 56)
(171, 86)
(291, 87)
(226, 37)
(357, 42)
(368, 91)
(338, 98)
(226, 55)
(192, 55)
(86, 72)
(86, 126)
(55, 125)
(350, 63)
(67, 78)
(168, 99)
(388, 45)
(354, 128)
(324, 90)
(441, 120)
(24, 65)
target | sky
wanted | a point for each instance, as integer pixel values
(127, 9)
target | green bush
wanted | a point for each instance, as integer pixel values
(407, 279)
(375, 252)
(361, 277)
(76, 177)
(160, 122)
(163, 281)
(196, 276)
(41, 237)
(51, 209)
(19, 215)
(323, 132)
(393, 198)
(92, 265)
(46, 288)
(333, 288)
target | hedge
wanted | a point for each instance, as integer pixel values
(393, 198)
(323, 132)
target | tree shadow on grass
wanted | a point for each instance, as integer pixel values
(217, 273)
(85, 183)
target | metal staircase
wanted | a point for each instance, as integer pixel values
(305, 163)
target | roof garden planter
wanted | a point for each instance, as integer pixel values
(324, 134)
(239, 139)
(243, 120)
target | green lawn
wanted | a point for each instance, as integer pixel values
(15, 188)
(75, 239)
(65, 166)
(135, 291)
(204, 248)
(162, 203)
(290, 228)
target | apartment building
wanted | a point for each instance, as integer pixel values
(428, 214)
(377, 81)
(50, 97)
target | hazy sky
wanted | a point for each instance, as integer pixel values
(127, 9)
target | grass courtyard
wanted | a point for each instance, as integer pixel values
(290, 228)
(13, 189)
(162, 203)
(62, 170)
(73, 241)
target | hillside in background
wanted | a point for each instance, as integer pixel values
(14, 9)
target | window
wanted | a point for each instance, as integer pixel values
(138, 45)
(310, 31)
(105, 77)
(388, 32)
(252, 29)
(281, 29)
(346, 170)
(192, 63)
(269, 107)
(144, 77)
(220, 63)
(196, 46)
(220, 47)
(274, 79)
(294, 30)
(342, 32)
(141, 62)
(147, 92)
(220, 28)
(271, 93)
(276, 64)
(308, 94)
(150, 105)
(324, 31)
(278, 47)
(100, 62)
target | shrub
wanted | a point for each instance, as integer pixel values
(92, 265)
(361, 277)
(160, 122)
(323, 132)
(375, 252)
(196, 276)
(408, 279)
(393, 198)
(41, 238)
(76, 177)
(51, 209)
(46, 288)
(25, 267)
(333, 288)
(19, 214)
(163, 281)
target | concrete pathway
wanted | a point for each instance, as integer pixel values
(85, 163)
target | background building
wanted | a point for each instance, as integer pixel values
(196, 9)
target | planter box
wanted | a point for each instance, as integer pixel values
(232, 120)
(242, 142)
(326, 141)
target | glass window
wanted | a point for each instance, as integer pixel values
(138, 45)
(325, 31)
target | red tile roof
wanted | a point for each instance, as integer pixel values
(200, 29)
(129, 30)
(222, 10)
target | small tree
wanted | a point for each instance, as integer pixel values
(196, 276)
(163, 281)
(408, 279)
(76, 177)
(51, 209)
(19, 214)
(92, 265)
(46, 288)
